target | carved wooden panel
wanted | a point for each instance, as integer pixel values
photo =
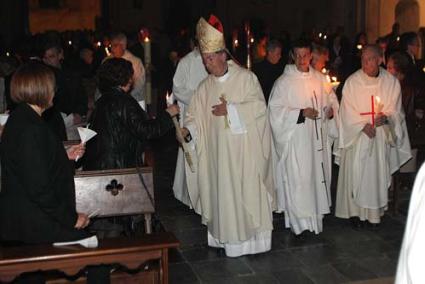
(115, 192)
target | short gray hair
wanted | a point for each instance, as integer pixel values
(121, 37)
(373, 48)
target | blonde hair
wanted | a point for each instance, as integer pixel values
(33, 83)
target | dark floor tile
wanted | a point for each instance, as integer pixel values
(221, 268)
(380, 266)
(248, 279)
(316, 256)
(325, 274)
(181, 223)
(353, 271)
(363, 249)
(306, 239)
(175, 256)
(262, 278)
(192, 238)
(202, 253)
(293, 276)
(345, 234)
(182, 273)
(271, 261)
(277, 240)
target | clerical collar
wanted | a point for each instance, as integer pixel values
(223, 77)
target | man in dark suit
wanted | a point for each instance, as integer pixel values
(270, 68)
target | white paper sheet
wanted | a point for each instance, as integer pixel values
(3, 118)
(90, 242)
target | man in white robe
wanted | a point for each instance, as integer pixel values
(119, 50)
(227, 120)
(410, 268)
(190, 72)
(372, 146)
(301, 116)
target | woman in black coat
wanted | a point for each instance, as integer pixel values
(37, 200)
(122, 126)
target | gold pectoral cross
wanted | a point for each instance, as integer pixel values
(226, 121)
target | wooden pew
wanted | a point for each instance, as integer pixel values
(116, 193)
(130, 252)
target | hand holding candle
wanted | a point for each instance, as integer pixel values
(179, 134)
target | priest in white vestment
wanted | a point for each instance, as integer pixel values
(301, 113)
(190, 72)
(227, 120)
(373, 141)
(410, 268)
(119, 50)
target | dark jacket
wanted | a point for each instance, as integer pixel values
(123, 129)
(37, 199)
(267, 73)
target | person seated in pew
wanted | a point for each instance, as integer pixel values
(37, 200)
(123, 127)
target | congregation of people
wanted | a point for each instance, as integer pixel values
(314, 117)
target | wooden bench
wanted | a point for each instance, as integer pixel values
(132, 253)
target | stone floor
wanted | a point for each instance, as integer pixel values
(338, 255)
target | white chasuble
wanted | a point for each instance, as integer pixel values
(302, 156)
(232, 189)
(366, 164)
(410, 268)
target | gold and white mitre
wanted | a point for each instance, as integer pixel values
(210, 39)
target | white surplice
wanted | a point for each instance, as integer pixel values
(190, 72)
(233, 191)
(302, 151)
(410, 268)
(366, 164)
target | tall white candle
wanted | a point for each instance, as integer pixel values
(148, 62)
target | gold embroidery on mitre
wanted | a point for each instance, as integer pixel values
(210, 39)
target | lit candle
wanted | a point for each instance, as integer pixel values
(108, 53)
(7, 54)
(320, 35)
(98, 44)
(248, 45)
(148, 62)
(398, 38)
(70, 42)
(325, 37)
(235, 41)
(359, 46)
(324, 71)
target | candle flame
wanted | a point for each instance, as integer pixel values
(252, 40)
(398, 38)
(107, 51)
(334, 79)
(320, 34)
(325, 37)
(70, 42)
(146, 39)
(378, 100)
(7, 54)
(236, 42)
(359, 46)
(324, 71)
(98, 43)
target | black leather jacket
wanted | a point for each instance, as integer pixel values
(123, 129)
